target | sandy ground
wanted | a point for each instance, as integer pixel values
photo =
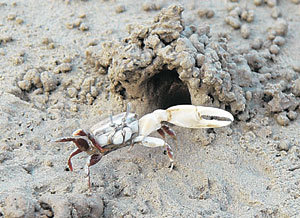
(68, 64)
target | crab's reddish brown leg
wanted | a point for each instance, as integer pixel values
(92, 160)
(170, 155)
(131, 144)
(161, 133)
(75, 152)
(169, 131)
(95, 143)
(82, 144)
(81, 132)
(164, 128)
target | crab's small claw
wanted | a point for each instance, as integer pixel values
(81, 132)
(81, 143)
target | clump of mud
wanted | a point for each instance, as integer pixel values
(166, 63)
(20, 205)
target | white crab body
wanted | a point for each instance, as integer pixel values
(109, 124)
(116, 130)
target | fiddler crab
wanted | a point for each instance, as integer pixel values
(126, 129)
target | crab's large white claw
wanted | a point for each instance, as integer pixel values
(191, 116)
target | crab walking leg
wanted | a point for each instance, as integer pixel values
(156, 142)
(91, 160)
(161, 133)
(170, 132)
(164, 128)
(81, 144)
(81, 132)
(75, 152)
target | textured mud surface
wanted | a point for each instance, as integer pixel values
(64, 66)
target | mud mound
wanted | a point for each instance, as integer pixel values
(166, 63)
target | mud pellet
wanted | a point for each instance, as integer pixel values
(274, 49)
(271, 35)
(201, 13)
(279, 40)
(49, 81)
(46, 41)
(244, 14)
(196, 72)
(248, 95)
(11, 17)
(48, 163)
(149, 6)
(83, 15)
(296, 66)
(94, 91)
(5, 39)
(83, 27)
(282, 119)
(200, 58)
(236, 12)
(257, 43)
(120, 9)
(257, 2)
(245, 31)
(24, 85)
(63, 68)
(72, 92)
(51, 46)
(284, 145)
(275, 13)
(230, 7)
(281, 27)
(33, 76)
(89, 98)
(77, 22)
(19, 20)
(73, 108)
(250, 17)
(296, 87)
(271, 3)
(69, 25)
(292, 115)
(18, 60)
(2, 52)
(210, 13)
(234, 22)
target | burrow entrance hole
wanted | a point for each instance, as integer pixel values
(165, 89)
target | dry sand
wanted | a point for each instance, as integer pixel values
(68, 64)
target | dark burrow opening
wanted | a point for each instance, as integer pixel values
(165, 89)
